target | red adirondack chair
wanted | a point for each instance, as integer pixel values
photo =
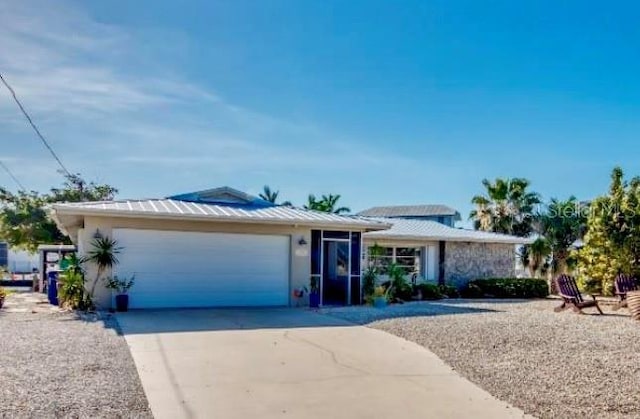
(623, 284)
(571, 297)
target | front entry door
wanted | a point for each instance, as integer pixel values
(335, 272)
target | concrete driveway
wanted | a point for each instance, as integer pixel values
(278, 363)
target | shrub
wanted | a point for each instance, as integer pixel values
(449, 291)
(506, 288)
(472, 290)
(400, 288)
(589, 285)
(428, 291)
(71, 292)
(403, 291)
(596, 286)
(369, 281)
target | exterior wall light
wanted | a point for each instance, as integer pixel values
(302, 241)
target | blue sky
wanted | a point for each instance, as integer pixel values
(383, 102)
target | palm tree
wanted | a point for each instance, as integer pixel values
(271, 196)
(524, 254)
(561, 225)
(313, 204)
(539, 251)
(331, 203)
(507, 207)
(327, 203)
(103, 254)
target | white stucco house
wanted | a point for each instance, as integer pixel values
(222, 247)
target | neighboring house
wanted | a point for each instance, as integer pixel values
(222, 247)
(438, 253)
(17, 261)
(439, 213)
(22, 261)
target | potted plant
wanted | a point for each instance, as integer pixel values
(3, 294)
(121, 287)
(380, 296)
(314, 294)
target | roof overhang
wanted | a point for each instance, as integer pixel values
(69, 218)
(418, 238)
(56, 248)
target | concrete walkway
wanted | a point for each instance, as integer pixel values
(278, 363)
(22, 300)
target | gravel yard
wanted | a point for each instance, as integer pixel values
(54, 364)
(549, 364)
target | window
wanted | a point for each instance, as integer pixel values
(408, 258)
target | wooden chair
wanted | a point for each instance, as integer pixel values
(623, 284)
(571, 297)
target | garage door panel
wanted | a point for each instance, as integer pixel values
(191, 269)
(146, 281)
(199, 301)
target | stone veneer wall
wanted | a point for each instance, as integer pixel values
(466, 261)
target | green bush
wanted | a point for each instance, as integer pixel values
(596, 286)
(400, 288)
(71, 292)
(472, 290)
(428, 291)
(506, 288)
(589, 285)
(449, 291)
(369, 279)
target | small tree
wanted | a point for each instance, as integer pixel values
(561, 225)
(76, 189)
(103, 254)
(612, 242)
(538, 252)
(24, 220)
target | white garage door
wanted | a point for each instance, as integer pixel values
(188, 269)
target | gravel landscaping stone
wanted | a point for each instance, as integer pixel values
(552, 365)
(58, 364)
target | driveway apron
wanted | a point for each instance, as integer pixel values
(278, 363)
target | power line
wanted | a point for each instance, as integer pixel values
(26, 115)
(15, 179)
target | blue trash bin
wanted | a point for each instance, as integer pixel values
(52, 288)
